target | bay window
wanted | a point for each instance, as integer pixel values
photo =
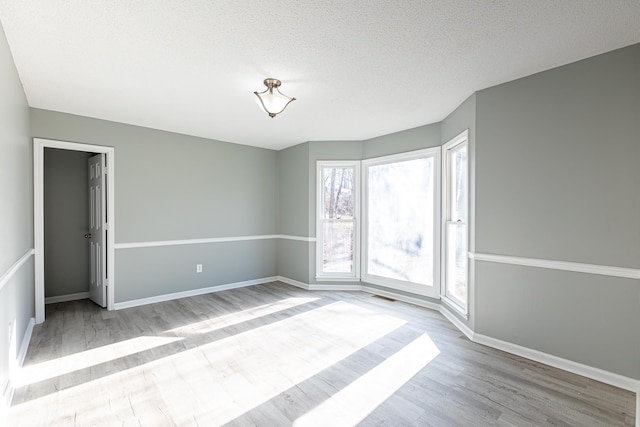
(401, 245)
(337, 221)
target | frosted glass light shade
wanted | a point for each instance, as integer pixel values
(272, 101)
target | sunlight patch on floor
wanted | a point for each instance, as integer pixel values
(230, 319)
(85, 359)
(353, 403)
(218, 382)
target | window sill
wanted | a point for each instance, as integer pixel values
(337, 279)
(453, 305)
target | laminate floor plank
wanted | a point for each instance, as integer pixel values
(275, 355)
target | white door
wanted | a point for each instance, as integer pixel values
(98, 230)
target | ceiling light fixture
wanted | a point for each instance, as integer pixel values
(272, 101)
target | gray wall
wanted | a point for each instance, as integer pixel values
(163, 270)
(176, 187)
(557, 178)
(16, 210)
(293, 213)
(400, 142)
(293, 184)
(66, 220)
(297, 180)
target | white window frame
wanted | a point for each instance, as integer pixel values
(415, 288)
(453, 145)
(354, 276)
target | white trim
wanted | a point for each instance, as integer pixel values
(320, 221)
(432, 291)
(638, 405)
(26, 339)
(193, 292)
(65, 298)
(319, 286)
(444, 310)
(158, 243)
(299, 238)
(414, 288)
(336, 287)
(355, 287)
(452, 304)
(337, 279)
(5, 402)
(359, 287)
(400, 297)
(38, 215)
(293, 282)
(192, 241)
(605, 270)
(6, 277)
(601, 375)
(456, 143)
(8, 391)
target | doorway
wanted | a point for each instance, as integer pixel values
(109, 153)
(66, 222)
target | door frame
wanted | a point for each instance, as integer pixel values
(39, 145)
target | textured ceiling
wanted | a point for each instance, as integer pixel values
(359, 69)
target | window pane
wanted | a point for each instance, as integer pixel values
(456, 262)
(400, 220)
(459, 184)
(338, 194)
(338, 247)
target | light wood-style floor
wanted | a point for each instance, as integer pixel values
(275, 355)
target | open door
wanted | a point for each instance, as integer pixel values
(107, 188)
(97, 230)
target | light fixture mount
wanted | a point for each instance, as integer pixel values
(272, 82)
(271, 100)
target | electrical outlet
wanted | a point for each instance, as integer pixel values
(198, 268)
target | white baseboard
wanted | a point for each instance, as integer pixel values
(65, 298)
(320, 286)
(5, 404)
(601, 375)
(191, 293)
(358, 287)
(26, 339)
(292, 282)
(606, 377)
(336, 287)
(8, 391)
(444, 310)
(638, 407)
(400, 297)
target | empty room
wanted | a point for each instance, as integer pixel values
(320, 213)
